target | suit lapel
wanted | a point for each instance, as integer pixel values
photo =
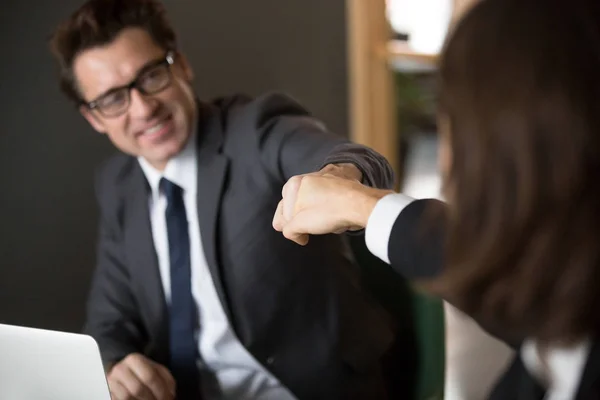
(589, 386)
(139, 245)
(212, 170)
(528, 386)
(517, 384)
(530, 389)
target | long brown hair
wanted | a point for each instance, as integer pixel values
(520, 86)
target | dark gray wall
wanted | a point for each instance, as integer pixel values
(296, 46)
(48, 153)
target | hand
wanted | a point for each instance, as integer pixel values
(345, 171)
(139, 378)
(323, 203)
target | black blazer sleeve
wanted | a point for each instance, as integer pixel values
(113, 318)
(416, 250)
(292, 142)
(415, 247)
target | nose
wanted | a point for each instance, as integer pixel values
(142, 106)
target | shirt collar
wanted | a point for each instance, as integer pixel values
(181, 169)
(565, 365)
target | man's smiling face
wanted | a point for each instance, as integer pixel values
(155, 126)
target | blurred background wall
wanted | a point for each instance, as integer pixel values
(48, 153)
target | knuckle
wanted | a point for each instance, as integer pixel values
(130, 358)
(309, 180)
(116, 370)
(148, 375)
(296, 180)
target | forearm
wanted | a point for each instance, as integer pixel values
(291, 142)
(408, 234)
(115, 336)
(112, 316)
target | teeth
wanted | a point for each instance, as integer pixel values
(154, 129)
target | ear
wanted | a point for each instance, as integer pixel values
(186, 67)
(93, 120)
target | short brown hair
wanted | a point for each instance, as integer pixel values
(97, 23)
(520, 84)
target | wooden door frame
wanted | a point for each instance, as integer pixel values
(372, 107)
(372, 95)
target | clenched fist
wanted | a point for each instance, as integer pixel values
(137, 377)
(323, 203)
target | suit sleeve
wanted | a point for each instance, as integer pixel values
(292, 142)
(409, 235)
(112, 313)
(416, 241)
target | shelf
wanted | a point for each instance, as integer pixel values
(402, 57)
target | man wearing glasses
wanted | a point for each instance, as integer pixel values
(194, 294)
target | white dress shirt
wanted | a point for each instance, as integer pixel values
(564, 365)
(229, 371)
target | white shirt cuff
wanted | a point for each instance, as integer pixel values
(381, 221)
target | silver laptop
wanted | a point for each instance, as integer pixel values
(38, 364)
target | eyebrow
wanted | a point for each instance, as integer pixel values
(139, 72)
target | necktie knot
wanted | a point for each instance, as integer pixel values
(170, 189)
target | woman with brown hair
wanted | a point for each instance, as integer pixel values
(518, 245)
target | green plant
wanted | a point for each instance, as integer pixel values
(415, 99)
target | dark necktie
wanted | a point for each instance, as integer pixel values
(182, 310)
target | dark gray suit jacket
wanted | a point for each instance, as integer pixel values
(301, 311)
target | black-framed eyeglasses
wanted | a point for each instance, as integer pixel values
(152, 79)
